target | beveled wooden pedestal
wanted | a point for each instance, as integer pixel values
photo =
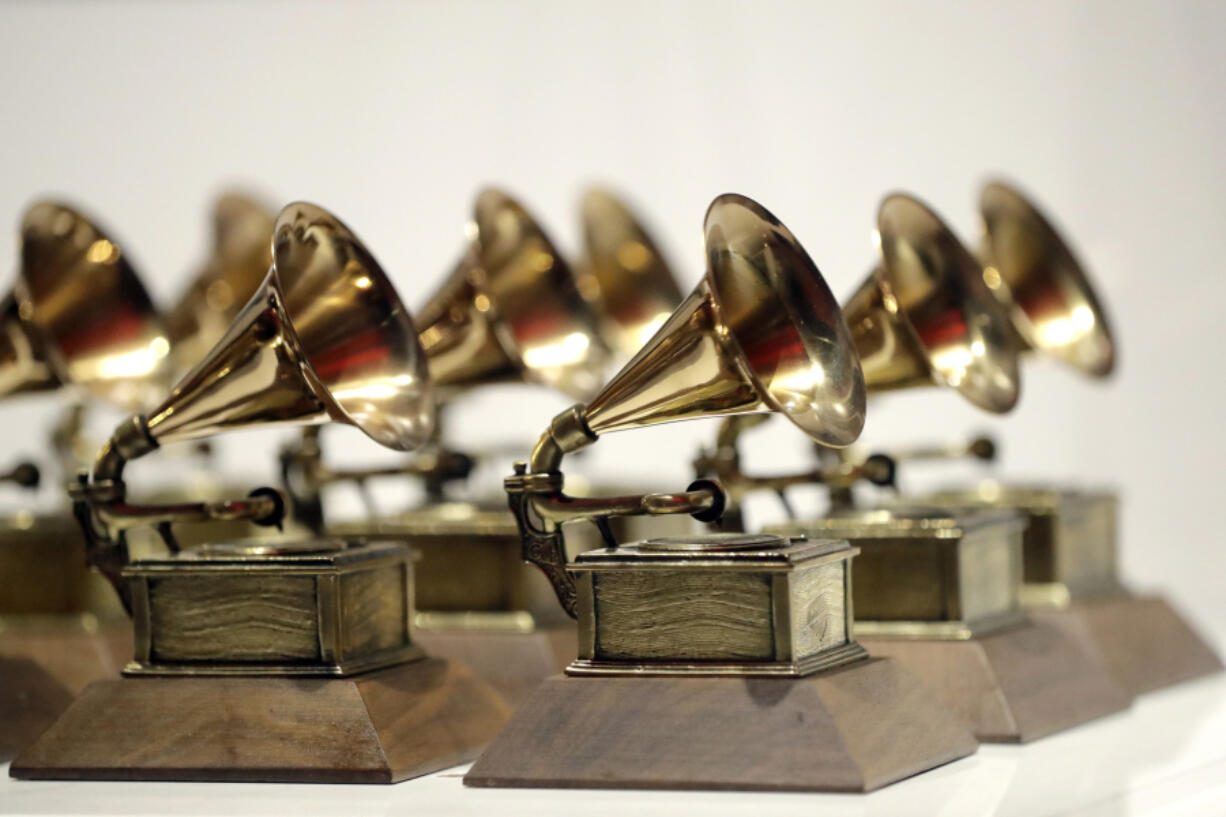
(1015, 685)
(1144, 643)
(378, 727)
(44, 665)
(512, 663)
(855, 728)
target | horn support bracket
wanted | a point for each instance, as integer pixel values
(540, 506)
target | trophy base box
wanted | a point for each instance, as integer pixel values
(289, 662)
(940, 592)
(852, 729)
(1144, 643)
(726, 662)
(1015, 685)
(378, 727)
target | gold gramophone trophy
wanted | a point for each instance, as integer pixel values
(1070, 564)
(266, 660)
(80, 323)
(939, 589)
(715, 661)
(510, 311)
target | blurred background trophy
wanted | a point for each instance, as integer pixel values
(691, 645)
(80, 326)
(272, 659)
(1070, 555)
(511, 311)
(939, 589)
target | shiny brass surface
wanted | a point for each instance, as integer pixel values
(1037, 278)
(929, 573)
(719, 605)
(324, 337)
(511, 310)
(98, 327)
(624, 275)
(925, 315)
(236, 266)
(1070, 549)
(26, 364)
(317, 608)
(761, 332)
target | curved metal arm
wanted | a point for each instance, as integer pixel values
(540, 507)
(981, 448)
(724, 462)
(304, 474)
(101, 508)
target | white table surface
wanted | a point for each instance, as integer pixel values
(1167, 756)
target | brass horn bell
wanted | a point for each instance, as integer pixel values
(325, 337)
(511, 310)
(761, 332)
(236, 266)
(1039, 281)
(925, 316)
(624, 275)
(89, 320)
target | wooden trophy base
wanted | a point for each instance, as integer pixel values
(45, 666)
(514, 664)
(1015, 685)
(379, 727)
(1143, 642)
(854, 728)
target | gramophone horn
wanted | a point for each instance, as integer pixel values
(1036, 277)
(925, 315)
(624, 275)
(78, 291)
(325, 337)
(241, 254)
(511, 310)
(761, 332)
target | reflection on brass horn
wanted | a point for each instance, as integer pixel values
(97, 323)
(624, 275)
(511, 310)
(1037, 278)
(324, 338)
(761, 332)
(237, 264)
(925, 316)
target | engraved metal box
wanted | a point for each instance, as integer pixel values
(1069, 548)
(327, 608)
(929, 573)
(758, 605)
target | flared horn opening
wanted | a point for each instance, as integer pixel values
(779, 311)
(1040, 282)
(625, 276)
(930, 280)
(357, 337)
(77, 288)
(534, 301)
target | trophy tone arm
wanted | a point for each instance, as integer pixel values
(540, 506)
(101, 507)
(724, 463)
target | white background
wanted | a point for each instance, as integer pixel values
(1113, 114)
